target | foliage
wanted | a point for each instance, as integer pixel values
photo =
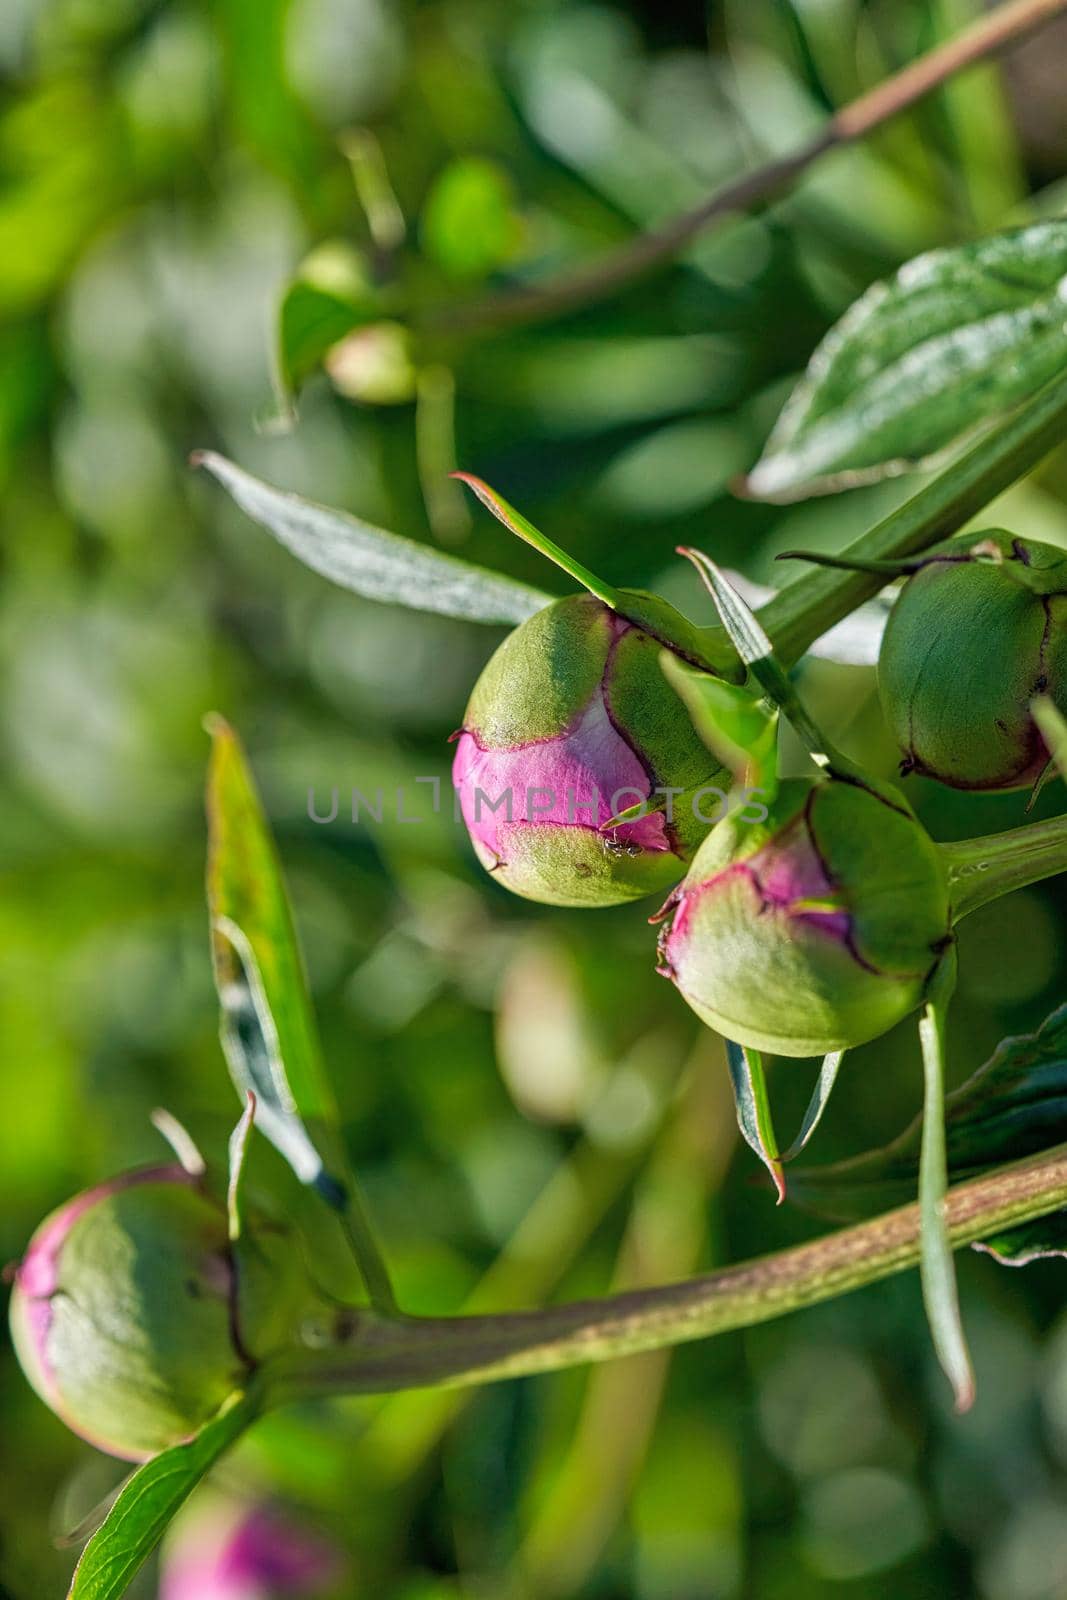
(525, 1102)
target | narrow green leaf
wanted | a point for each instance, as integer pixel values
(707, 648)
(149, 1500)
(937, 1268)
(246, 892)
(523, 529)
(238, 1151)
(753, 1107)
(253, 1052)
(370, 562)
(820, 1096)
(268, 1028)
(955, 339)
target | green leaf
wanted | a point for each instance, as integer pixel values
(937, 1268)
(254, 943)
(820, 1095)
(149, 1500)
(739, 728)
(955, 339)
(707, 648)
(1013, 1106)
(268, 1028)
(379, 565)
(816, 601)
(469, 224)
(524, 529)
(238, 1154)
(330, 295)
(752, 1104)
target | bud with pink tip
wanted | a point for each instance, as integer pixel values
(572, 723)
(134, 1315)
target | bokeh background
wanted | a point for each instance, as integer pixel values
(533, 1112)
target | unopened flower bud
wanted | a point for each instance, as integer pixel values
(233, 1552)
(571, 723)
(134, 1316)
(977, 631)
(815, 930)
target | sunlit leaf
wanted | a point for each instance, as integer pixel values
(268, 1029)
(254, 942)
(956, 338)
(148, 1501)
(369, 561)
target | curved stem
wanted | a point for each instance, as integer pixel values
(981, 870)
(387, 1353)
(585, 285)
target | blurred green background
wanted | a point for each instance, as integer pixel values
(523, 1097)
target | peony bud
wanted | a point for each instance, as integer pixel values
(232, 1552)
(571, 723)
(134, 1317)
(977, 631)
(815, 930)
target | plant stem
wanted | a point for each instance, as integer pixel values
(981, 870)
(387, 1353)
(366, 1252)
(615, 269)
(806, 608)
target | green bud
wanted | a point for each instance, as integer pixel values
(571, 723)
(134, 1316)
(977, 631)
(815, 930)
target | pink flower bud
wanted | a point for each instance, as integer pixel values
(134, 1316)
(571, 723)
(246, 1553)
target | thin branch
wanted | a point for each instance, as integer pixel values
(384, 1353)
(617, 268)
